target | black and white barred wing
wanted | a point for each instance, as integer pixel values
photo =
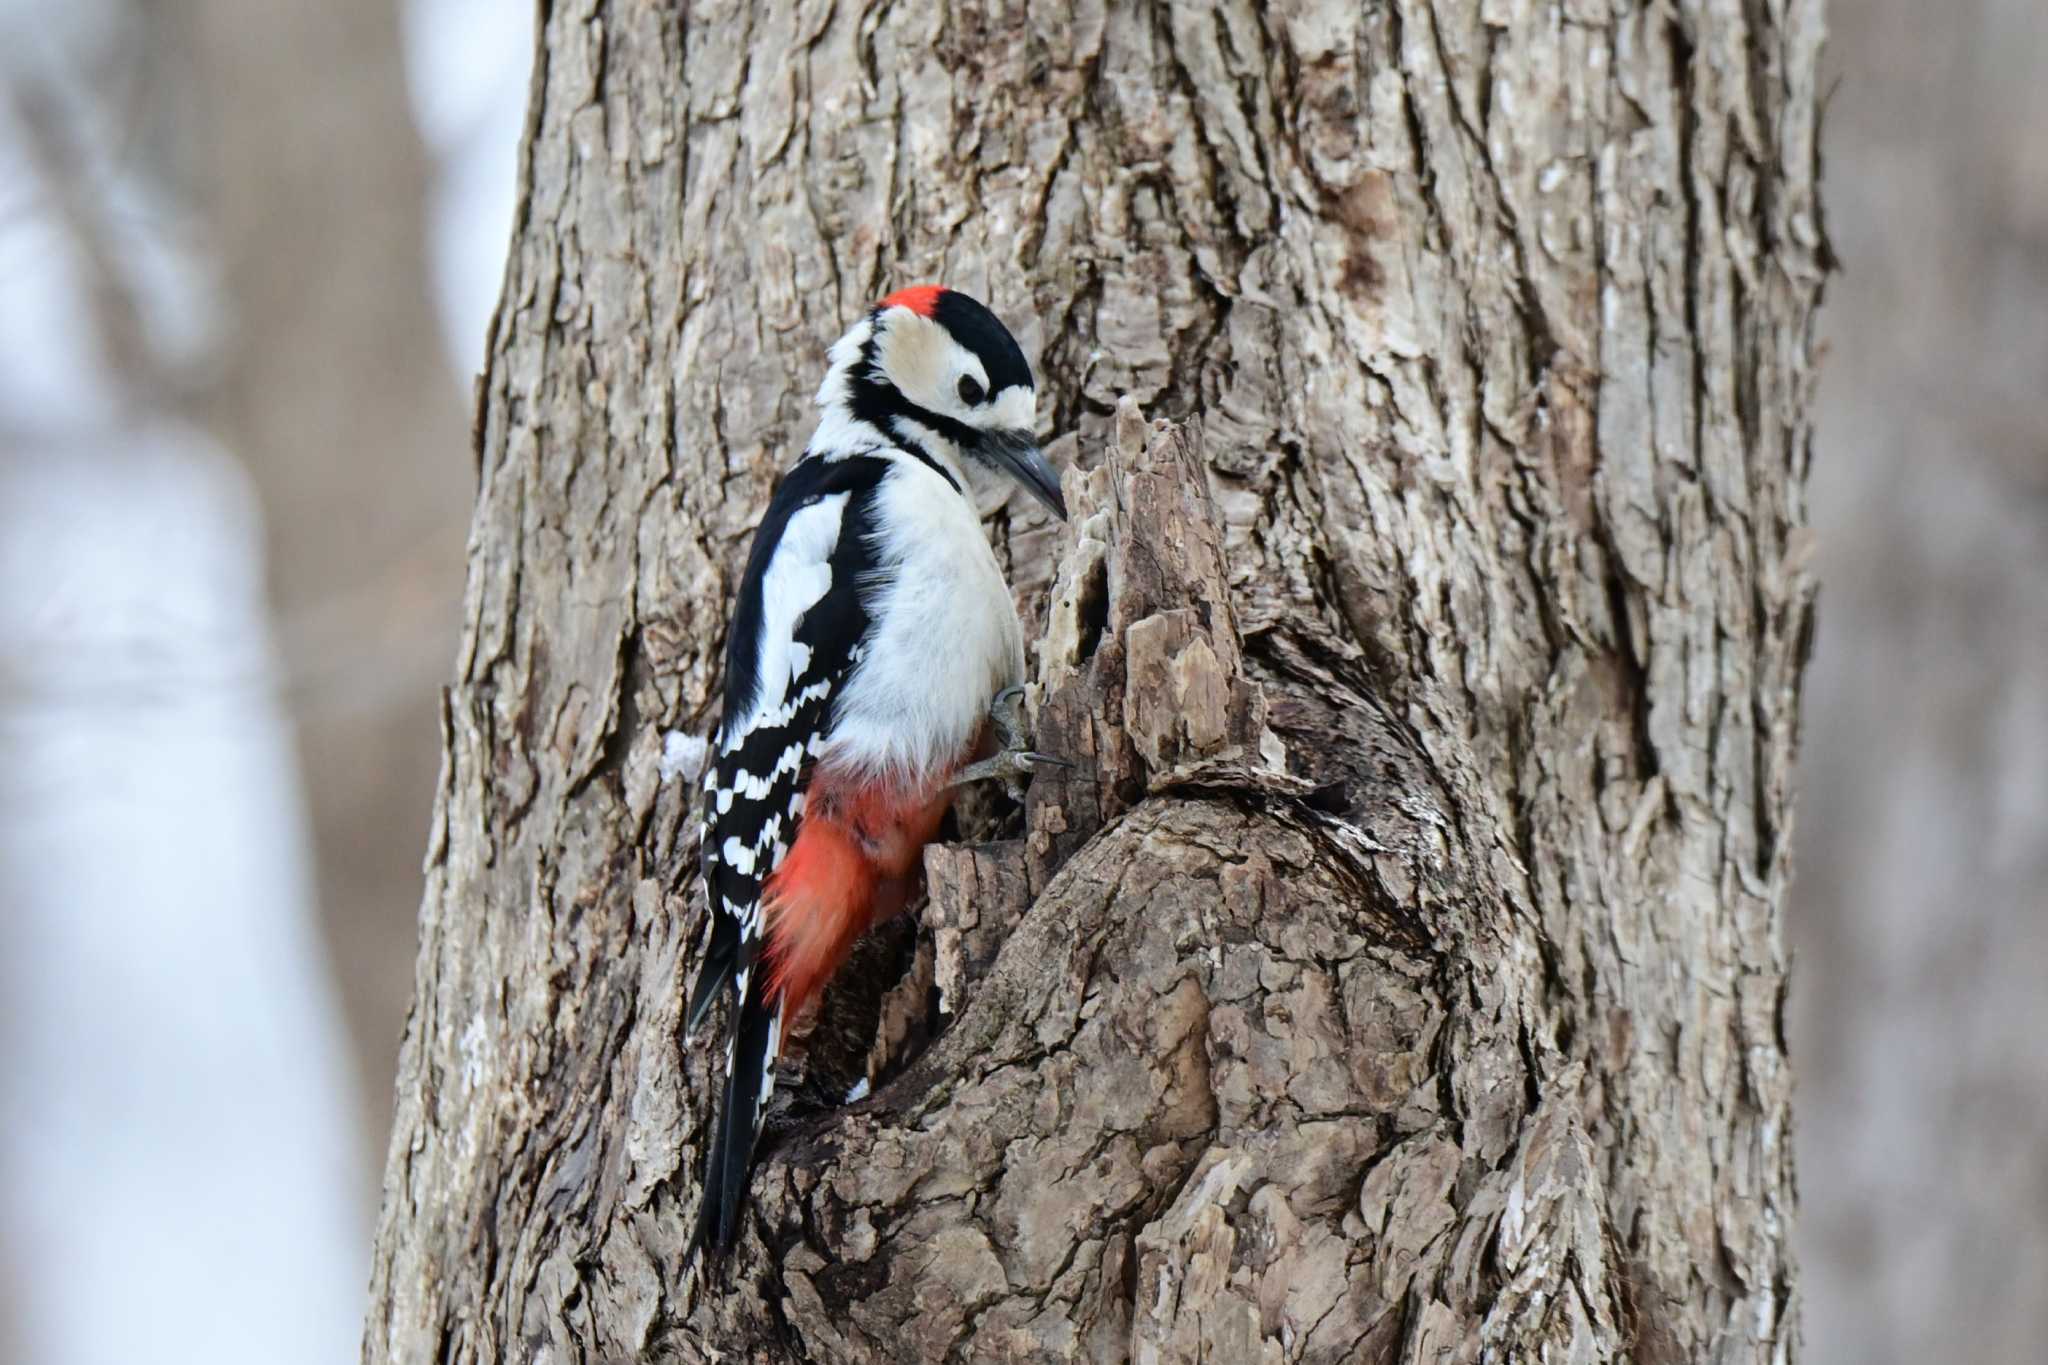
(796, 634)
(796, 629)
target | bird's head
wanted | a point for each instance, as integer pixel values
(931, 370)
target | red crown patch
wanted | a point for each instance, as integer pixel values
(920, 299)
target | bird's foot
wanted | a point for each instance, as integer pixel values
(1014, 761)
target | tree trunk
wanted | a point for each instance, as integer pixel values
(1399, 976)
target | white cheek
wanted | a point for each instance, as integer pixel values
(916, 354)
(1016, 409)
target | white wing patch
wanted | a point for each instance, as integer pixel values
(737, 856)
(799, 574)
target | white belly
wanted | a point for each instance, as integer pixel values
(944, 638)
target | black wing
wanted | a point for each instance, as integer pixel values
(796, 633)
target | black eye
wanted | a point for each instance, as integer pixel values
(971, 392)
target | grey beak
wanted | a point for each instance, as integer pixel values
(1017, 454)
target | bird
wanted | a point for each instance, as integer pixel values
(873, 655)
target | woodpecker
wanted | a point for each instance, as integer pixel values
(873, 647)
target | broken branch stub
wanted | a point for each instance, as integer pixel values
(1141, 668)
(1141, 679)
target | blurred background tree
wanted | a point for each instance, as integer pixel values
(334, 383)
(243, 296)
(1919, 914)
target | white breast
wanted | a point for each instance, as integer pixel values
(944, 637)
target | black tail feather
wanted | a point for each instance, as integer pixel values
(721, 959)
(711, 979)
(748, 1080)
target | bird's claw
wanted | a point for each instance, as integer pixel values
(1013, 762)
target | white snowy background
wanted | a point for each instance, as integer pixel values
(186, 1170)
(184, 1175)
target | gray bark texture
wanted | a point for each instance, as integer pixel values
(1398, 975)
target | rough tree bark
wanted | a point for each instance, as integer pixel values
(1400, 977)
